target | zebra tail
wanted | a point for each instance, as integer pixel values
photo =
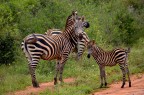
(128, 50)
(31, 40)
(26, 51)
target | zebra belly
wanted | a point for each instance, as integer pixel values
(44, 57)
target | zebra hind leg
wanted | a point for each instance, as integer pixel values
(127, 71)
(32, 72)
(122, 67)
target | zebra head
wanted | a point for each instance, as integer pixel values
(80, 23)
(90, 46)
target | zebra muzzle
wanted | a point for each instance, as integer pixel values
(88, 56)
(86, 25)
(80, 36)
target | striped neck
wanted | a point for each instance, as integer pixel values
(69, 33)
(97, 50)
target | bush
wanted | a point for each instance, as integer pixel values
(6, 49)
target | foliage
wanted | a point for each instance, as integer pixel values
(6, 50)
(113, 23)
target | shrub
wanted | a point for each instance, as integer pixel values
(6, 49)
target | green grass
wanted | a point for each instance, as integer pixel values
(86, 72)
(110, 22)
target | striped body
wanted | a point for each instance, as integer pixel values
(111, 58)
(47, 48)
(41, 46)
(81, 44)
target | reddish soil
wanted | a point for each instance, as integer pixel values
(136, 89)
(114, 89)
(30, 90)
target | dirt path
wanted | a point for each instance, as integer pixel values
(114, 89)
(136, 89)
(43, 86)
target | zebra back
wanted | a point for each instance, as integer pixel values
(51, 32)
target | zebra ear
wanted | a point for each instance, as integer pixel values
(74, 12)
(93, 41)
(82, 18)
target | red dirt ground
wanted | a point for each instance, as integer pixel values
(114, 89)
(136, 89)
(30, 90)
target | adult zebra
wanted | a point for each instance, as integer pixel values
(81, 43)
(39, 46)
(111, 58)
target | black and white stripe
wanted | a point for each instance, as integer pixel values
(41, 46)
(110, 58)
(81, 43)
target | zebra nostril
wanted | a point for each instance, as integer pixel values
(88, 56)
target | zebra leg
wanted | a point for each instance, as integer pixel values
(32, 72)
(127, 71)
(104, 76)
(122, 67)
(57, 71)
(101, 76)
(61, 72)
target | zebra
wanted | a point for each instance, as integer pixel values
(110, 58)
(81, 44)
(40, 46)
(51, 32)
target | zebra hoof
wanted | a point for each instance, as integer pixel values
(129, 84)
(123, 85)
(35, 84)
(55, 81)
(105, 84)
(101, 86)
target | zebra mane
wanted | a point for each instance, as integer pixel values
(68, 22)
(98, 49)
(70, 18)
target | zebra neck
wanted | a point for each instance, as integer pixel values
(69, 32)
(98, 50)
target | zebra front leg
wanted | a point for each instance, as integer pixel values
(32, 72)
(57, 71)
(101, 76)
(61, 72)
(104, 76)
(122, 67)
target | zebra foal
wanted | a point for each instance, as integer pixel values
(41, 46)
(111, 58)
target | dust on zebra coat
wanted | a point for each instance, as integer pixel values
(40, 46)
(110, 58)
(81, 43)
